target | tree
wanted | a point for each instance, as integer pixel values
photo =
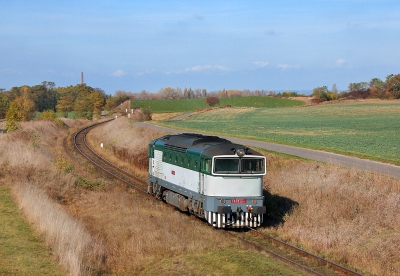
(334, 89)
(321, 93)
(170, 93)
(190, 93)
(65, 104)
(21, 109)
(13, 117)
(25, 105)
(4, 105)
(356, 86)
(113, 102)
(204, 93)
(97, 100)
(44, 95)
(212, 100)
(376, 86)
(393, 86)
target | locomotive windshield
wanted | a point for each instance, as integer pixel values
(225, 165)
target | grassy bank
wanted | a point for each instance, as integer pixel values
(22, 251)
(41, 189)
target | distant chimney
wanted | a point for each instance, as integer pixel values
(82, 81)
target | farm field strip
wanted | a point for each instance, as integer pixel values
(368, 130)
(186, 105)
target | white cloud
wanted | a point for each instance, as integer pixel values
(288, 66)
(146, 72)
(340, 62)
(261, 63)
(118, 73)
(199, 68)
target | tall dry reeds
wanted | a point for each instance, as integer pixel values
(77, 251)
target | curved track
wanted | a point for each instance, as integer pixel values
(112, 169)
(294, 256)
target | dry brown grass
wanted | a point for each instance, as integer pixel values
(74, 247)
(124, 144)
(28, 166)
(139, 231)
(347, 215)
(113, 230)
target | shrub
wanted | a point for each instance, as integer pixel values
(212, 100)
(88, 184)
(47, 115)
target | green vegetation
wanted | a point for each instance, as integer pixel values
(21, 252)
(366, 129)
(186, 105)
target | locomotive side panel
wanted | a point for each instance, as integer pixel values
(182, 177)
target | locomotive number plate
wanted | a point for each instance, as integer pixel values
(238, 200)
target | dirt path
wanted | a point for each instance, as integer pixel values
(323, 156)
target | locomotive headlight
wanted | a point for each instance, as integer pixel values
(254, 201)
(240, 152)
(223, 201)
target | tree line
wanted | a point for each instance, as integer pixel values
(375, 88)
(170, 93)
(21, 103)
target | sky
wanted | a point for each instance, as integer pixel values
(149, 45)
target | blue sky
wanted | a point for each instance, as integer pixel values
(148, 45)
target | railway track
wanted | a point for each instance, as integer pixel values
(83, 148)
(292, 255)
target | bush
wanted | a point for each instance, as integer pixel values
(212, 100)
(88, 184)
(47, 115)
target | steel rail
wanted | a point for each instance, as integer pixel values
(85, 150)
(279, 257)
(341, 269)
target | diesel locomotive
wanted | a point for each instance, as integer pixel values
(210, 177)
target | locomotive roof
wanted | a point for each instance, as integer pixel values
(198, 144)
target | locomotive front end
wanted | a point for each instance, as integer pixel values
(235, 189)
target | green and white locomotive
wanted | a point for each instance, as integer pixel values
(209, 177)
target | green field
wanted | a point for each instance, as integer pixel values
(21, 252)
(186, 105)
(369, 129)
